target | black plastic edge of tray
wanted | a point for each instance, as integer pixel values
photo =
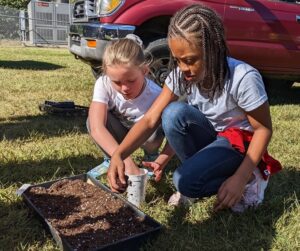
(130, 243)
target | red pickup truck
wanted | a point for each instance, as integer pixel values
(264, 33)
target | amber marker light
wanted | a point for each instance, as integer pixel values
(91, 43)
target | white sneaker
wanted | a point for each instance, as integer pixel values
(253, 194)
(177, 199)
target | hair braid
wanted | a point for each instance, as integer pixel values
(201, 25)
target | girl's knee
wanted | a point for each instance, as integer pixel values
(173, 110)
(153, 143)
(152, 146)
(172, 113)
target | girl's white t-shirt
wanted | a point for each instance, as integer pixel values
(128, 111)
(244, 91)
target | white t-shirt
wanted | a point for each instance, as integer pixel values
(128, 111)
(244, 91)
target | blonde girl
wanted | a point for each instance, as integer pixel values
(122, 95)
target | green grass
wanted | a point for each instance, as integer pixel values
(35, 147)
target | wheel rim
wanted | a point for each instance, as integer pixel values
(159, 69)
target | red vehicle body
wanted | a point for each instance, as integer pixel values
(263, 33)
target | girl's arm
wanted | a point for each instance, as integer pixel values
(232, 189)
(97, 121)
(161, 161)
(137, 135)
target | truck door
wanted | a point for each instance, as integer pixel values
(264, 33)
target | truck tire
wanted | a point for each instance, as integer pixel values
(159, 54)
(278, 83)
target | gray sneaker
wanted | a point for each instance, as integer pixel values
(253, 194)
(178, 199)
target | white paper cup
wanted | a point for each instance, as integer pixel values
(136, 190)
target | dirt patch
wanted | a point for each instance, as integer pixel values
(86, 216)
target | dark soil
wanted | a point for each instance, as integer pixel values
(86, 216)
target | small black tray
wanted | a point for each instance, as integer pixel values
(126, 244)
(63, 108)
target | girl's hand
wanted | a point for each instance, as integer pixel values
(157, 169)
(230, 192)
(116, 174)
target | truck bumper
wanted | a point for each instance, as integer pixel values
(82, 33)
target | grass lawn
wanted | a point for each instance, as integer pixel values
(35, 147)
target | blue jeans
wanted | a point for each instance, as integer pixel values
(207, 160)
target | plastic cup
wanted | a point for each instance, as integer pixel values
(136, 190)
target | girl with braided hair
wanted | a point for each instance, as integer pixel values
(221, 133)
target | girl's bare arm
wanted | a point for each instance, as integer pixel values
(97, 121)
(138, 134)
(232, 189)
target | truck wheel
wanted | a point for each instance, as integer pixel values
(278, 83)
(96, 72)
(290, 83)
(159, 53)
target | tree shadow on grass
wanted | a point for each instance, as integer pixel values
(45, 170)
(23, 127)
(15, 213)
(252, 230)
(84, 235)
(18, 228)
(164, 188)
(29, 65)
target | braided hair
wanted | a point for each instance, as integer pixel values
(201, 25)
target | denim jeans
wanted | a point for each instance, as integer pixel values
(207, 160)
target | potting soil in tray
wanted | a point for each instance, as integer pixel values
(84, 215)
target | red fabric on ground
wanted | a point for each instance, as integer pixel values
(240, 139)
